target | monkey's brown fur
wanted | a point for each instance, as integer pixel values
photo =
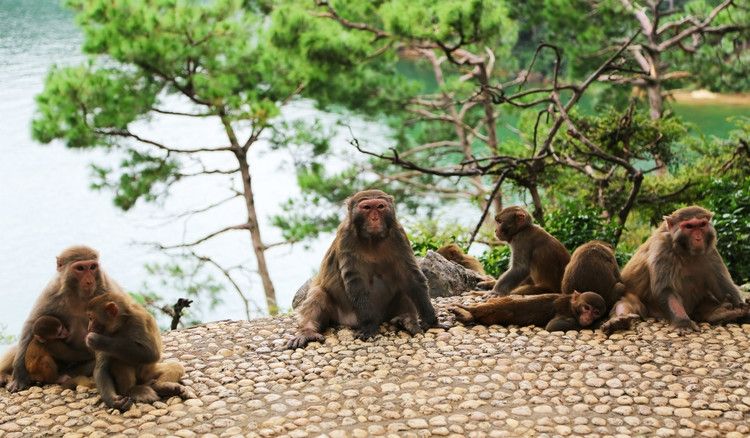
(368, 276)
(455, 254)
(538, 260)
(538, 310)
(678, 275)
(127, 345)
(79, 278)
(593, 268)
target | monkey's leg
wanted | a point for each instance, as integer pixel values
(722, 314)
(124, 376)
(462, 314)
(314, 316)
(623, 314)
(43, 368)
(403, 314)
(166, 381)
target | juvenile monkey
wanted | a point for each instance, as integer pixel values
(537, 259)
(368, 276)
(40, 363)
(593, 268)
(455, 254)
(553, 311)
(127, 345)
(678, 275)
(79, 278)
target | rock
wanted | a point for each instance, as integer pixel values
(444, 277)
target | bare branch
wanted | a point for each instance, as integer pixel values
(204, 238)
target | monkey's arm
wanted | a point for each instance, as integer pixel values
(419, 293)
(660, 273)
(358, 294)
(727, 289)
(106, 385)
(133, 347)
(562, 323)
(64, 352)
(518, 272)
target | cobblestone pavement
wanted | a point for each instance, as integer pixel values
(466, 381)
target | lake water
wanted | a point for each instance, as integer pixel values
(46, 203)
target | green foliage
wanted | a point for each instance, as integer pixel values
(729, 199)
(5, 338)
(496, 260)
(431, 234)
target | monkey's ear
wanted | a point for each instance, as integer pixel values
(669, 221)
(576, 294)
(111, 309)
(59, 263)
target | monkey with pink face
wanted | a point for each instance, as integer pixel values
(678, 275)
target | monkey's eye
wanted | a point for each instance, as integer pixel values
(586, 308)
(381, 206)
(702, 224)
(93, 267)
(365, 207)
(80, 268)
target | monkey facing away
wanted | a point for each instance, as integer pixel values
(555, 312)
(678, 275)
(368, 276)
(537, 259)
(127, 345)
(79, 278)
(593, 268)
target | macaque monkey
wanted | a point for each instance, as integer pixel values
(127, 345)
(455, 254)
(537, 259)
(79, 278)
(40, 363)
(368, 276)
(678, 275)
(553, 311)
(593, 268)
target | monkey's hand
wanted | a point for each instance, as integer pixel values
(367, 331)
(95, 341)
(18, 384)
(301, 340)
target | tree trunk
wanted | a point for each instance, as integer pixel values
(252, 221)
(655, 100)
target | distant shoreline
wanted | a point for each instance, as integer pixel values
(705, 97)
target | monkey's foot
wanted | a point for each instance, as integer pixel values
(305, 337)
(619, 323)
(121, 403)
(408, 324)
(171, 389)
(366, 332)
(685, 326)
(462, 315)
(4, 379)
(143, 394)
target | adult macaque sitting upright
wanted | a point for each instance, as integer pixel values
(678, 275)
(79, 278)
(537, 259)
(368, 276)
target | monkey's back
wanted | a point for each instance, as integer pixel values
(521, 310)
(593, 268)
(549, 259)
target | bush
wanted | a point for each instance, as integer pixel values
(496, 260)
(729, 199)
